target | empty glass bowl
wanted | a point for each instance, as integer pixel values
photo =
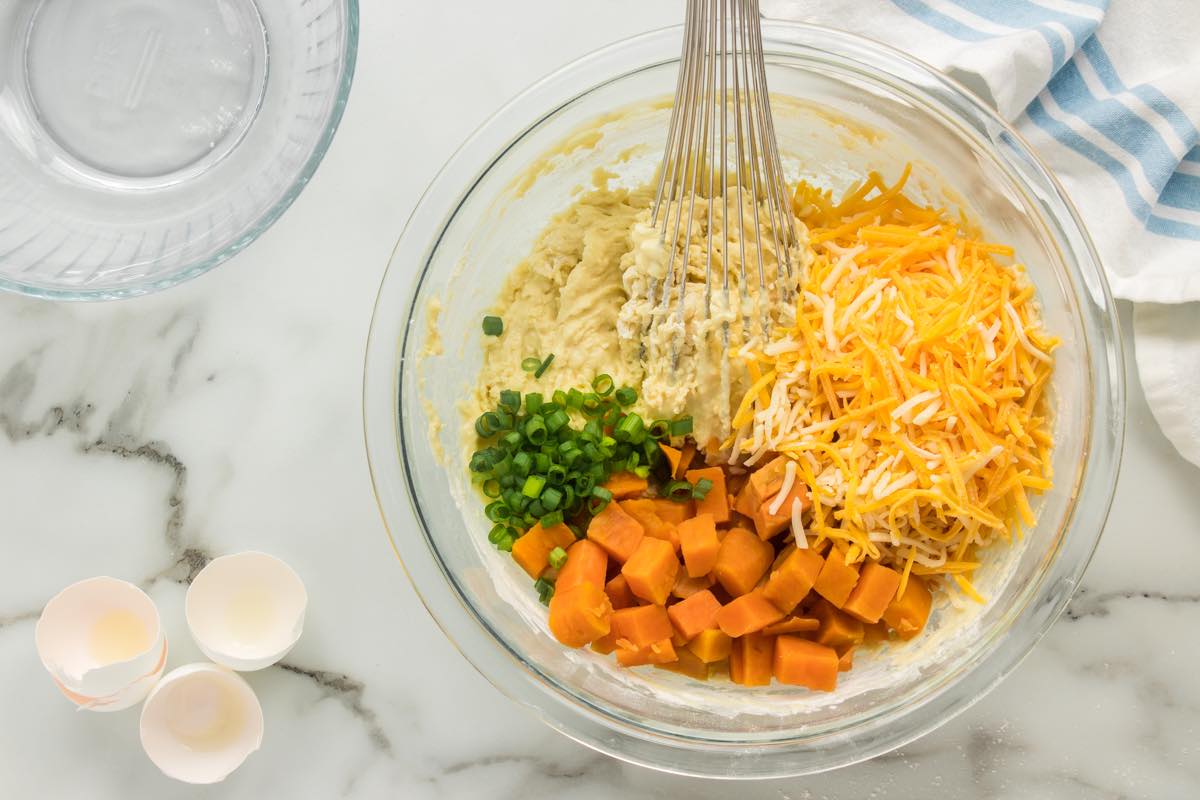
(143, 142)
(842, 106)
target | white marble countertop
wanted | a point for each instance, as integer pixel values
(139, 439)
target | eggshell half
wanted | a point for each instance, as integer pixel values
(246, 611)
(99, 636)
(131, 695)
(200, 723)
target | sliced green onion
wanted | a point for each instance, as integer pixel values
(701, 489)
(493, 326)
(642, 471)
(512, 440)
(679, 491)
(531, 364)
(545, 590)
(510, 400)
(551, 497)
(533, 486)
(630, 429)
(556, 420)
(498, 532)
(551, 518)
(541, 463)
(626, 396)
(574, 399)
(491, 488)
(533, 402)
(545, 365)
(556, 474)
(497, 511)
(611, 415)
(487, 424)
(522, 463)
(560, 398)
(659, 429)
(681, 426)
(505, 545)
(602, 384)
(535, 430)
(558, 557)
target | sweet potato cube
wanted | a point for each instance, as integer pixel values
(617, 532)
(793, 579)
(673, 456)
(767, 524)
(685, 460)
(580, 615)
(660, 652)
(686, 663)
(747, 614)
(846, 660)
(644, 512)
(672, 512)
(751, 659)
(641, 625)
(532, 550)
(800, 662)
(742, 560)
(837, 630)
(908, 613)
(764, 482)
(792, 625)
(874, 592)
(626, 484)
(686, 586)
(695, 614)
(716, 502)
(651, 570)
(836, 579)
(711, 645)
(699, 543)
(586, 563)
(618, 593)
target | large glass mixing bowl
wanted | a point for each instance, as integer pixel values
(843, 105)
(143, 142)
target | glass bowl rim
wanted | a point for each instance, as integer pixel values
(557, 705)
(265, 220)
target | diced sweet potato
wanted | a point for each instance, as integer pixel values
(741, 561)
(800, 662)
(764, 482)
(606, 643)
(641, 625)
(908, 613)
(626, 484)
(532, 550)
(792, 625)
(671, 512)
(617, 532)
(747, 614)
(836, 579)
(673, 456)
(837, 629)
(695, 614)
(580, 614)
(686, 586)
(651, 570)
(618, 593)
(767, 524)
(660, 652)
(846, 660)
(643, 510)
(699, 543)
(750, 659)
(586, 563)
(685, 459)
(792, 580)
(716, 502)
(874, 592)
(711, 645)
(686, 663)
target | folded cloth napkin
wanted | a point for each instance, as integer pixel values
(1108, 92)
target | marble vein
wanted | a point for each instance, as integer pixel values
(1088, 604)
(349, 692)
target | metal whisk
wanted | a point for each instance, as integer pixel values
(721, 147)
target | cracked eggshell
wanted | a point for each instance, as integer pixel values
(130, 696)
(246, 611)
(200, 723)
(101, 639)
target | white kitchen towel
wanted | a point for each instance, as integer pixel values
(1108, 92)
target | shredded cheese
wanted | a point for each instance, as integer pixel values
(910, 392)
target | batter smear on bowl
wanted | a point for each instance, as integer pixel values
(760, 506)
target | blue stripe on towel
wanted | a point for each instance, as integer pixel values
(1094, 52)
(1022, 14)
(939, 21)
